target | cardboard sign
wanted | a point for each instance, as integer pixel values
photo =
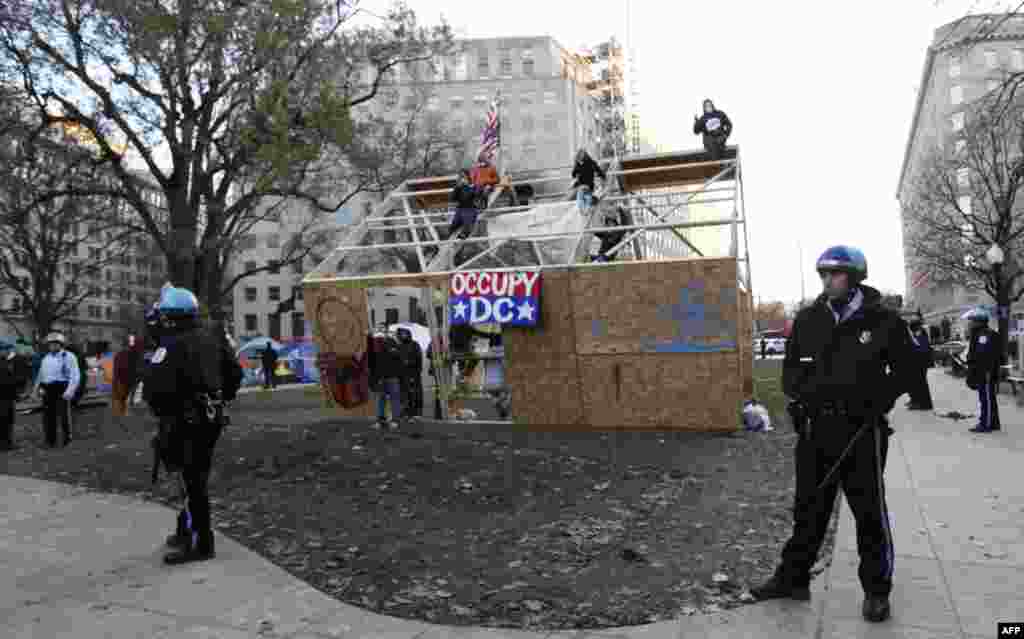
(484, 297)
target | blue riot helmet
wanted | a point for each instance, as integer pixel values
(178, 307)
(976, 314)
(844, 259)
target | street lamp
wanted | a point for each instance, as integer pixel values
(995, 255)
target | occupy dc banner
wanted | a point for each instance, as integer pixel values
(484, 297)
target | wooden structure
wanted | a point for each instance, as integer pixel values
(660, 339)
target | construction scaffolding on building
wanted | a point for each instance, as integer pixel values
(531, 224)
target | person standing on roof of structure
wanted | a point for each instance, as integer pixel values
(715, 126)
(583, 173)
(464, 195)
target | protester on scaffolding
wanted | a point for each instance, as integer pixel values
(920, 394)
(610, 239)
(583, 172)
(465, 196)
(983, 360)
(411, 382)
(715, 126)
(385, 367)
(484, 177)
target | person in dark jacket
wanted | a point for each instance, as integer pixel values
(846, 364)
(715, 127)
(189, 375)
(385, 364)
(920, 393)
(584, 172)
(11, 383)
(983, 360)
(268, 358)
(411, 382)
(464, 195)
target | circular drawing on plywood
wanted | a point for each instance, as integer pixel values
(340, 325)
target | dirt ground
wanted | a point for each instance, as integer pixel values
(466, 526)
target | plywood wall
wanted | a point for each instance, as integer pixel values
(633, 346)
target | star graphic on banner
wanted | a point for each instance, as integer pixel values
(460, 310)
(526, 311)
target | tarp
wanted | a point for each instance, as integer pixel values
(555, 217)
(296, 361)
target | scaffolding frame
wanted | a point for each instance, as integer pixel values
(648, 190)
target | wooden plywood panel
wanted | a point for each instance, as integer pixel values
(546, 390)
(555, 331)
(681, 306)
(340, 326)
(692, 391)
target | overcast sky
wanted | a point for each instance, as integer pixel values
(821, 95)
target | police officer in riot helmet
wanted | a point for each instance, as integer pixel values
(983, 360)
(847, 362)
(189, 375)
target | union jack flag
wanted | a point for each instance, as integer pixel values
(491, 138)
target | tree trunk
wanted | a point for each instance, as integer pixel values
(1003, 311)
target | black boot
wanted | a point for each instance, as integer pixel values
(876, 608)
(180, 539)
(779, 588)
(201, 550)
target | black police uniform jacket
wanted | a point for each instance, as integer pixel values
(187, 365)
(983, 358)
(863, 362)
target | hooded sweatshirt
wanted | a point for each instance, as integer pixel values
(714, 122)
(862, 358)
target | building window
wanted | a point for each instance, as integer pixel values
(274, 326)
(551, 124)
(95, 254)
(461, 67)
(273, 267)
(251, 266)
(110, 313)
(550, 97)
(964, 202)
(954, 67)
(991, 59)
(527, 58)
(390, 316)
(526, 98)
(298, 325)
(251, 323)
(963, 178)
(390, 99)
(483, 64)
(410, 103)
(528, 124)
(505, 61)
(251, 293)
(433, 103)
(1018, 59)
(274, 293)
(479, 100)
(297, 292)
(958, 121)
(956, 95)
(456, 103)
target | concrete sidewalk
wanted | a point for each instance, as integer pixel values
(78, 564)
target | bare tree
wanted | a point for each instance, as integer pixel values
(44, 223)
(247, 100)
(964, 202)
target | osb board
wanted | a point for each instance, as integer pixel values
(340, 326)
(545, 390)
(683, 307)
(554, 332)
(670, 391)
(689, 168)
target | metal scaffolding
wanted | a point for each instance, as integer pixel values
(656, 196)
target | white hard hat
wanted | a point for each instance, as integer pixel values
(55, 337)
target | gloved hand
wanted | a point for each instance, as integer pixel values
(68, 396)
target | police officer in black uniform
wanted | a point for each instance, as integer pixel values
(983, 360)
(846, 364)
(191, 373)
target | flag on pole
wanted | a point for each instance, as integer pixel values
(491, 138)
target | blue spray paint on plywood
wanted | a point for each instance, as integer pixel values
(697, 322)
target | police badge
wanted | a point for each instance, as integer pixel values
(865, 337)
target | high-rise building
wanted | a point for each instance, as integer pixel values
(966, 59)
(608, 88)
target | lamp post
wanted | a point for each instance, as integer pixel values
(996, 257)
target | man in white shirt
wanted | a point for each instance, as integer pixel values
(57, 381)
